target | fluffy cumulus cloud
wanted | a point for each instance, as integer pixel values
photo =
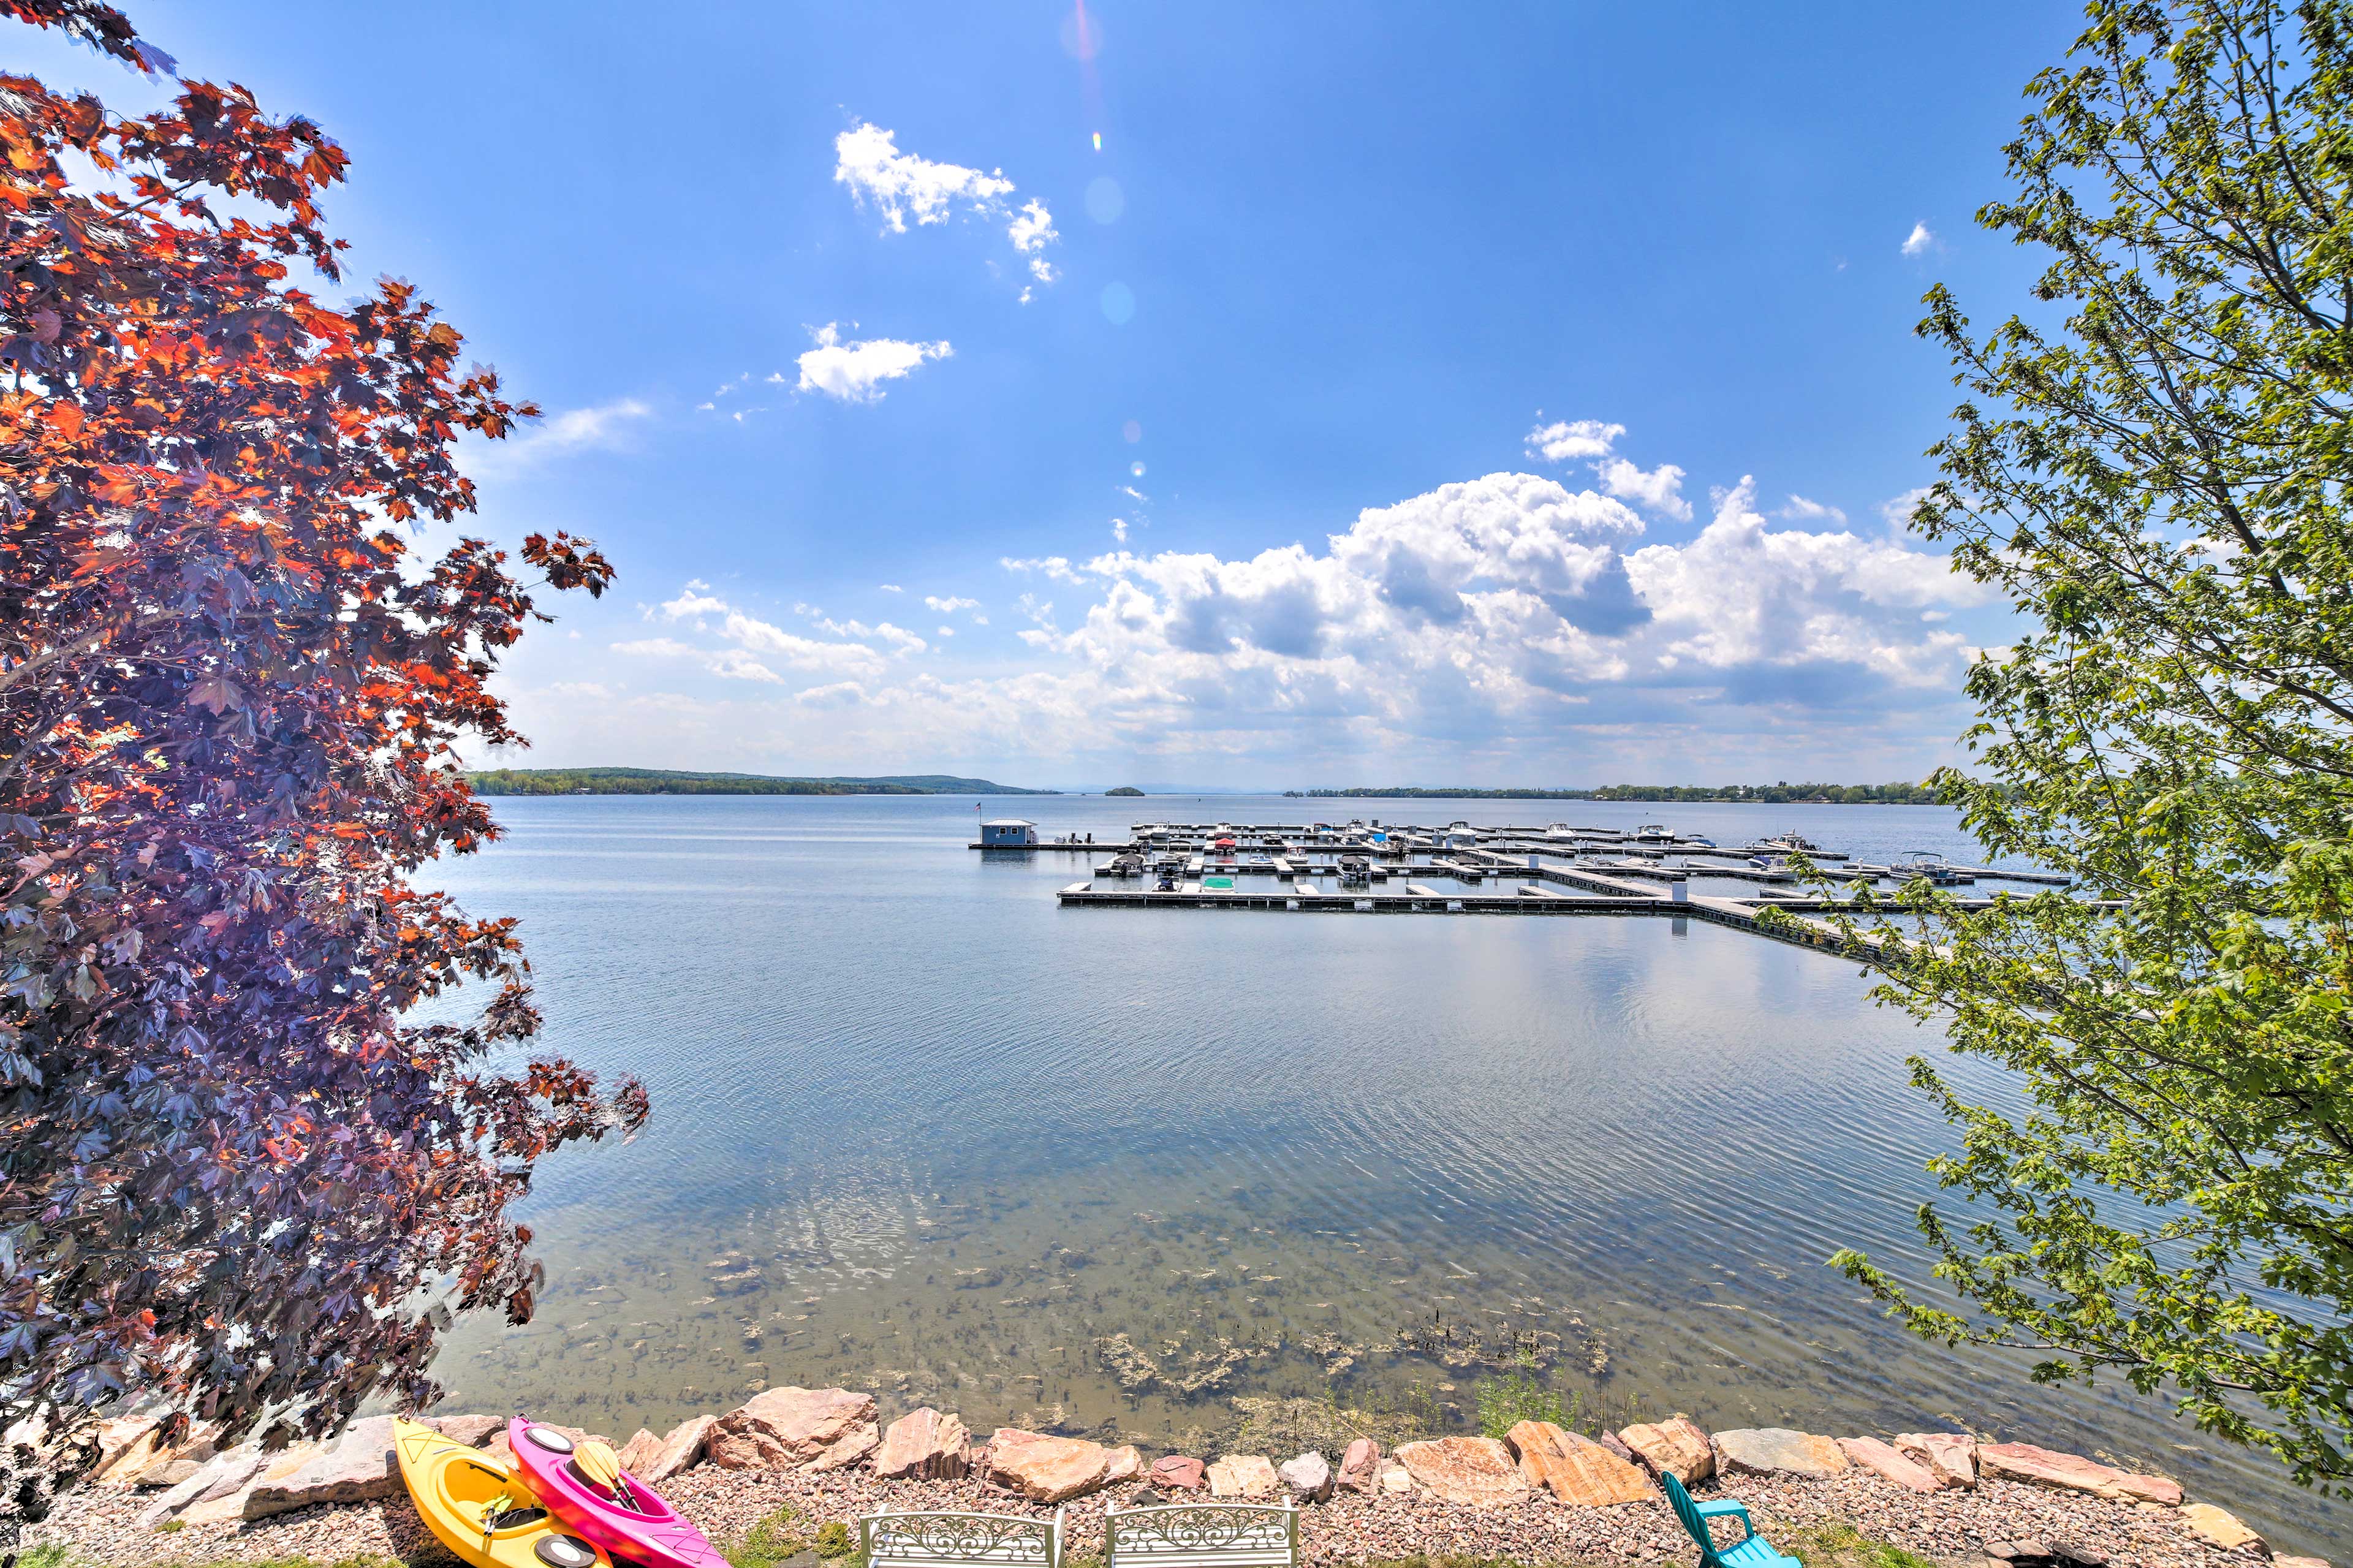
(902, 186)
(855, 371)
(1920, 241)
(1509, 616)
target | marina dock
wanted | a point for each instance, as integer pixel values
(1391, 869)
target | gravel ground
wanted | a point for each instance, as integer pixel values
(102, 1527)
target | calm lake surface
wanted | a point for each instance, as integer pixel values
(1192, 1178)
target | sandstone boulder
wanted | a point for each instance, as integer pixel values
(1882, 1459)
(924, 1444)
(1479, 1472)
(1950, 1457)
(1395, 1480)
(360, 1467)
(796, 1429)
(640, 1449)
(2299, 1562)
(1675, 1447)
(1243, 1476)
(472, 1430)
(1360, 1467)
(682, 1448)
(1578, 1469)
(126, 1445)
(1044, 1468)
(1308, 1478)
(2073, 1472)
(223, 1502)
(1176, 1473)
(219, 1476)
(2216, 1528)
(1127, 1465)
(1777, 1451)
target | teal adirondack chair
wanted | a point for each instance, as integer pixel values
(1752, 1553)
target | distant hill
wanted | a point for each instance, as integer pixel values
(659, 780)
(1128, 792)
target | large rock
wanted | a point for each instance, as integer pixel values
(361, 1466)
(2218, 1528)
(1176, 1473)
(1127, 1465)
(1883, 1460)
(219, 1476)
(1777, 1451)
(1243, 1476)
(127, 1445)
(682, 1447)
(924, 1444)
(1395, 1480)
(796, 1430)
(1950, 1457)
(472, 1430)
(222, 1502)
(1308, 1478)
(1360, 1467)
(2073, 1472)
(1578, 1469)
(1047, 1469)
(640, 1449)
(1476, 1471)
(1675, 1447)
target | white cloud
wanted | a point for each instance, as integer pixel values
(1896, 511)
(1565, 439)
(1800, 509)
(892, 588)
(1474, 625)
(950, 605)
(901, 185)
(607, 427)
(854, 372)
(1660, 489)
(867, 159)
(1031, 230)
(1118, 529)
(1920, 241)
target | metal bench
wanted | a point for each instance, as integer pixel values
(1203, 1535)
(949, 1539)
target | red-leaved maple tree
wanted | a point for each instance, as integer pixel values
(231, 1172)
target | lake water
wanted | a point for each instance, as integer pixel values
(1201, 1179)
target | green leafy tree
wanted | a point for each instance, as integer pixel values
(2153, 466)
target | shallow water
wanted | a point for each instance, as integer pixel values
(1198, 1178)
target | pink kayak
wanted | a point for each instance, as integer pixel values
(652, 1533)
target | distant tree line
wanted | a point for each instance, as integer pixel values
(1766, 794)
(658, 781)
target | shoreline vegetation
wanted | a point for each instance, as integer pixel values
(1714, 794)
(661, 781)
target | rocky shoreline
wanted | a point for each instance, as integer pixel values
(1539, 1495)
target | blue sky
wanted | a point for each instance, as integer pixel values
(1316, 429)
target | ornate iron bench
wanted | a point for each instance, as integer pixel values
(1203, 1535)
(947, 1540)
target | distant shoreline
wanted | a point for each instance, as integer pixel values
(659, 781)
(1691, 794)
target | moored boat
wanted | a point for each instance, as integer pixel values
(485, 1513)
(626, 1518)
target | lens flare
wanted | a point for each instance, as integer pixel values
(1098, 140)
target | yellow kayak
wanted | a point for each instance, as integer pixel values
(479, 1510)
